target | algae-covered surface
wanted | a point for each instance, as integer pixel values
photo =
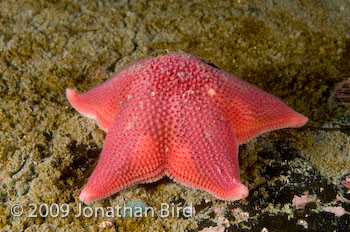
(296, 50)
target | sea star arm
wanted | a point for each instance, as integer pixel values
(129, 156)
(102, 102)
(253, 111)
(89, 104)
(204, 152)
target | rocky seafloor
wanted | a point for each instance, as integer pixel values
(298, 51)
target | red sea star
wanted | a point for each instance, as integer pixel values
(175, 115)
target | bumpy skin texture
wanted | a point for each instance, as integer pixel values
(175, 115)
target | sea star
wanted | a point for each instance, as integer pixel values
(176, 116)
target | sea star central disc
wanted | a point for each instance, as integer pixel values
(175, 115)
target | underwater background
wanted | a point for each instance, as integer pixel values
(299, 51)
